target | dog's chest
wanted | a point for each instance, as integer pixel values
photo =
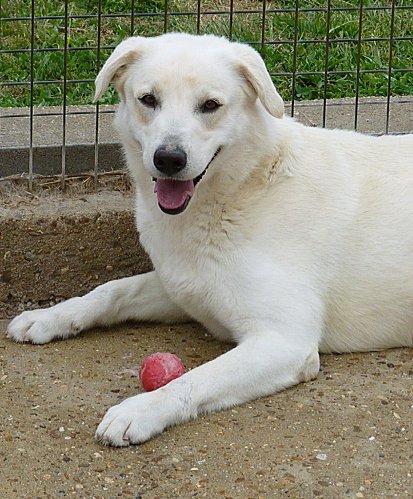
(196, 266)
(191, 267)
(202, 288)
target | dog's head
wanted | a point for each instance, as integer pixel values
(184, 100)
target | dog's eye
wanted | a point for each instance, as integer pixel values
(210, 105)
(148, 100)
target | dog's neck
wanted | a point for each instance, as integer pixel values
(252, 163)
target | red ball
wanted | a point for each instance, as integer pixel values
(159, 369)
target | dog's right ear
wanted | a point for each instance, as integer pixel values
(124, 54)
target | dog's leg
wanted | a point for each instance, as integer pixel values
(141, 297)
(262, 364)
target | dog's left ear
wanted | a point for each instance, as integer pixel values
(251, 66)
(124, 54)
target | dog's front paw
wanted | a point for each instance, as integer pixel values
(140, 418)
(41, 326)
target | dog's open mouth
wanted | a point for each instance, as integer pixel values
(174, 195)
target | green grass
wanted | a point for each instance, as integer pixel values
(82, 64)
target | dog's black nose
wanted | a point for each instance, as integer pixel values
(169, 160)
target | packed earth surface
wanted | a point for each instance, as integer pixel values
(346, 434)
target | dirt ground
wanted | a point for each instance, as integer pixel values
(346, 434)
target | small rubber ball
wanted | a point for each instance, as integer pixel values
(158, 369)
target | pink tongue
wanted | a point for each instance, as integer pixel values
(172, 194)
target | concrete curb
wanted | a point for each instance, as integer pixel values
(47, 160)
(79, 135)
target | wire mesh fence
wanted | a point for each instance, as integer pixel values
(320, 50)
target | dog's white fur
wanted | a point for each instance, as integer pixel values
(297, 240)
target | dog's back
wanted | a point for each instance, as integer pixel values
(369, 304)
(346, 207)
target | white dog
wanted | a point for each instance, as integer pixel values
(285, 239)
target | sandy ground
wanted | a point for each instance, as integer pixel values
(346, 434)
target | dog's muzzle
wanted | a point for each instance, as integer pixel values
(174, 195)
